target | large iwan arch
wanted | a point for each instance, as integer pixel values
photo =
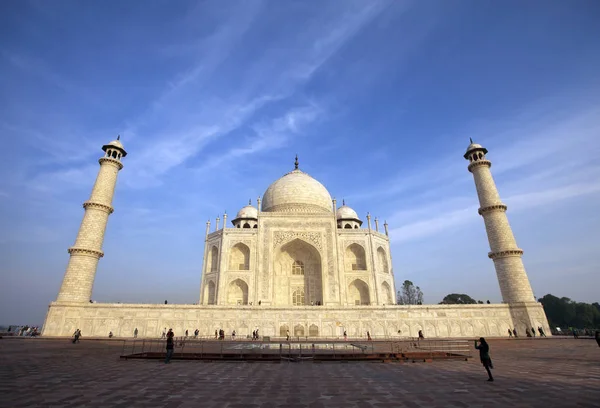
(298, 270)
(382, 260)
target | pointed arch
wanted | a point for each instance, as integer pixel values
(239, 257)
(298, 330)
(214, 259)
(358, 293)
(313, 330)
(237, 293)
(209, 293)
(386, 293)
(298, 276)
(355, 258)
(283, 329)
(382, 260)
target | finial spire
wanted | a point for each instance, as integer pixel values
(118, 137)
(471, 140)
(250, 201)
(296, 162)
(343, 201)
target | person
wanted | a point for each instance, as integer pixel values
(484, 356)
(509, 333)
(527, 332)
(515, 332)
(110, 335)
(541, 331)
(164, 333)
(368, 336)
(196, 333)
(345, 335)
(259, 302)
(76, 336)
(186, 333)
(233, 335)
(216, 334)
(533, 332)
(575, 333)
(135, 332)
(421, 335)
(170, 346)
(597, 336)
(287, 334)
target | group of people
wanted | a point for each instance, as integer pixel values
(27, 331)
(528, 333)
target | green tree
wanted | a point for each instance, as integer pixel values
(565, 313)
(410, 294)
(458, 299)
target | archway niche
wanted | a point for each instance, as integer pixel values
(382, 258)
(386, 293)
(237, 293)
(298, 331)
(214, 259)
(358, 293)
(239, 257)
(209, 293)
(313, 331)
(355, 258)
(298, 275)
(283, 330)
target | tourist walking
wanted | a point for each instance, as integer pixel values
(170, 346)
(484, 356)
(509, 333)
(233, 335)
(135, 332)
(216, 334)
(541, 331)
(597, 336)
(368, 336)
(186, 333)
(287, 335)
(515, 332)
(533, 332)
(345, 335)
(196, 333)
(76, 336)
(164, 333)
(421, 336)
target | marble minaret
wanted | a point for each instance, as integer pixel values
(514, 284)
(87, 250)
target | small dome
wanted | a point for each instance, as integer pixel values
(117, 144)
(297, 192)
(346, 213)
(474, 146)
(247, 212)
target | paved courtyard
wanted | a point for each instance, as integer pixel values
(529, 373)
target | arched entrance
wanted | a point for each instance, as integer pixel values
(298, 275)
(358, 293)
(237, 293)
(209, 293)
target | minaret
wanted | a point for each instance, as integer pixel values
(514, 284)
(87, 250)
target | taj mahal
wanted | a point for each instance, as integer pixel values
(295, 262)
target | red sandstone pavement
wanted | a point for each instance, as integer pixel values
(528, 372)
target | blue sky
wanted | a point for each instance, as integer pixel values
(379, 98)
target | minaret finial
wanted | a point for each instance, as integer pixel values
(296, 162)
(118, 137)
(471, 140)
(250, 201)
(343, 201)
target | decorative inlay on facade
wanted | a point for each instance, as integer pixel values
(297, 208)
(85, 251)
(497, 207)
(99, 206)
(502, 254)
(283, 237)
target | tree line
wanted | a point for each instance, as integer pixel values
(561, 312)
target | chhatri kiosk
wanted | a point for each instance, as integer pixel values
(294, 262)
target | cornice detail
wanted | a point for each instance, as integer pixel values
(98, 206)
(85, 251)
(492, 208)
(116, 162)
(504, 254)
(478, 163)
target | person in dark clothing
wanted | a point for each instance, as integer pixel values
(515, 332)
(484, 356)
(533, 332)
(541, 331)
(597, 336)
(170, 345)
(509, 333)
(421, 336)
(527, 332)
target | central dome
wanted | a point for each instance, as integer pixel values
(297, 192)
